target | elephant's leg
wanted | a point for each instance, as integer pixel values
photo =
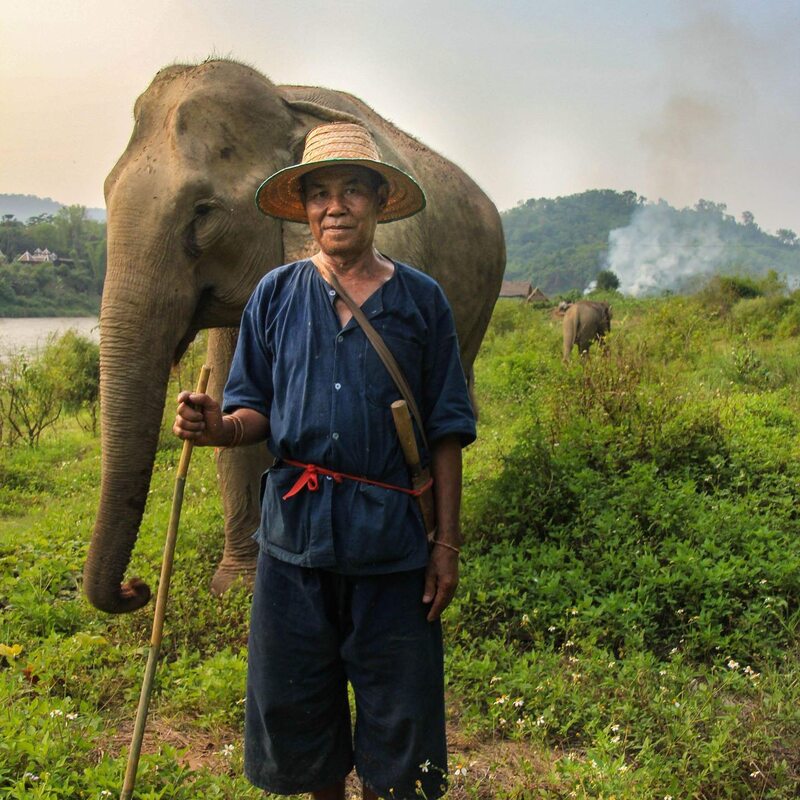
(239, 474)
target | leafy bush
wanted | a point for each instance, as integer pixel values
(607, 280)
(29, 400)
(36, 388)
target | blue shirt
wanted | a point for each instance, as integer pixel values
(327, 395)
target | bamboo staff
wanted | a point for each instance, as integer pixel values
(161, 606)
(419, 475)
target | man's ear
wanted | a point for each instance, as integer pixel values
(383, 195)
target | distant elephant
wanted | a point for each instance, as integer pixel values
(186, 247)
(585, 322)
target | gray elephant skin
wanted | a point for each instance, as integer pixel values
(585, 322)
(186, 247)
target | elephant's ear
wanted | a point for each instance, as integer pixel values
(307, 115)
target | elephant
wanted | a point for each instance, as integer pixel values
(186, 248)
(585, 322)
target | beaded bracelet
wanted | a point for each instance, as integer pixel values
(448, 546)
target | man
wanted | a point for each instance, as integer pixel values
(348, 588)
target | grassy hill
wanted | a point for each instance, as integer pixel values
(627, 621)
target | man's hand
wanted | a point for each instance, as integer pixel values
(441, 580)
(199, 419)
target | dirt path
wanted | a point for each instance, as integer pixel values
(491, 768)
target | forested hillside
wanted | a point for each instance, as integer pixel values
(71, 284)
(561, 244)
(25, 206)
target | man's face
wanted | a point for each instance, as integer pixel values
(343, 204)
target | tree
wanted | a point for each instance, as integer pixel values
(70, 221)
(607, 280)
(28, 402)
(748, 218)
(786, 236)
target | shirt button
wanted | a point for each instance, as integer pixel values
(334, 435)
(337, 386)
(332, 293)
(328, 477)
(340, 338)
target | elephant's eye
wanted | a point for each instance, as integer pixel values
(207, 224)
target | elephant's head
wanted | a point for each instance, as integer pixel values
(606, 324)
(186, 246)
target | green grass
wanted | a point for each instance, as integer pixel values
(627, 621)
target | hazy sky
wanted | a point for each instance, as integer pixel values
(669, 98)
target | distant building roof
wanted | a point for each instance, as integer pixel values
(538, 296)
(38, 257)
(524, 290)
(516, 289)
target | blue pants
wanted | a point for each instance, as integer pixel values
(312, 631)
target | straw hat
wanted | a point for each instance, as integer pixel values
(331, 145)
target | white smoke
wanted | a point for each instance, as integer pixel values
(662, 249)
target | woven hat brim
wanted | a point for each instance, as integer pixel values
(280, 196)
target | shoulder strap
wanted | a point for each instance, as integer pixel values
(384, 353)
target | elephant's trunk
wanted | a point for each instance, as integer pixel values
(138, 341)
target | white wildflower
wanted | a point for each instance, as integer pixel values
(519, 702)
(72, 716)
(425, 766)
(56, 712)
(733, 664)
(502, 700)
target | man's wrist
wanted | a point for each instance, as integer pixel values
(233, 430)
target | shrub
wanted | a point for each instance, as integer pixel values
(74, 363)
(760, 317)
(36, 388)
(607, 280)
(29, 402)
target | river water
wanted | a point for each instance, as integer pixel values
(30, 333)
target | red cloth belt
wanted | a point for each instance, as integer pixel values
(309, 480)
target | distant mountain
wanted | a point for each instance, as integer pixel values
(561, 244)
(25, 206)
